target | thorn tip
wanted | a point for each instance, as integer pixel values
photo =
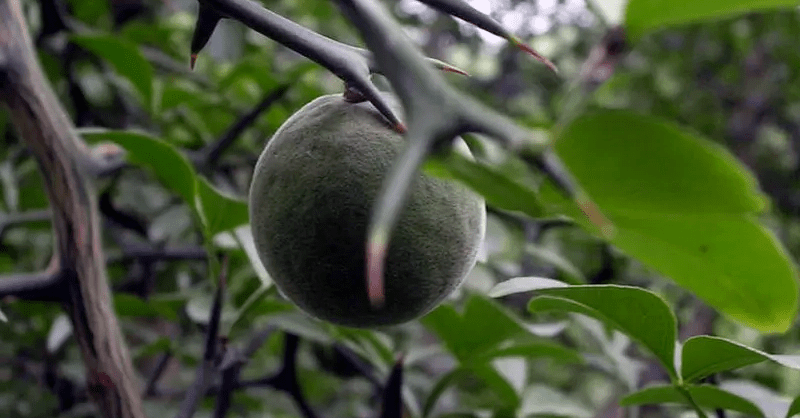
(592, 211)
(532, 52)
(449, 69)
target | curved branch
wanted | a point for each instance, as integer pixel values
(44, 286)
(45, 127)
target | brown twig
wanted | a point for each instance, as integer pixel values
(207, 366)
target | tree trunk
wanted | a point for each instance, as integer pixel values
(62, 157)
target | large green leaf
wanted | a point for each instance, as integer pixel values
(126, 59)
(706, 355)
(642, 16)
(163, 160)
(218, 211)
(637, 164)
(684, 207)
(639, 313)
(730, 261)
(706, 396)
(129, 305)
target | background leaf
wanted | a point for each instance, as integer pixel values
(705, 355)
(498, 190)
(794, 408)
(706, 396)
(483, 325)
(639, 313)
(522, 285)
(126, 59)
(220, 212)
(161, 158)
(701, 234)
(633, 163)
(645, 15)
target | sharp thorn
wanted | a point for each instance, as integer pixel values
(450, 69)
(530, 51)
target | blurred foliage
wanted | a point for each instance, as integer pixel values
(123, 66)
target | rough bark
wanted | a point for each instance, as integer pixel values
(62, 157)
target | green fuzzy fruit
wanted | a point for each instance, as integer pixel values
(313, 191)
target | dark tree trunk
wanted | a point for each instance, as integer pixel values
(62, 157)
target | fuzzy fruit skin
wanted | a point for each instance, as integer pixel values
(311, 197)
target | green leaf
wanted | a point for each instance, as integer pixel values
(158, 346)
(497, 189)
(633, 163)
(545, 401)
(483, 326)
(244, 236)
(3, 317)
(493, 379)
(705, 355)
(729, 261)
(684, 207)
(642, 16)
(220, 212)
(706, 396)
(168, 165)
(129, 305)
(126, 59)
(794, 408)
(439, 388)
(641, 314)
(522, 285)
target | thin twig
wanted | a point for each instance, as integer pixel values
(286, 378)
(152, 381)
(44, 286)
(42, 123)
(210, 154)
(9, 220)
(235, 359)
(206, 368)
(147, 253)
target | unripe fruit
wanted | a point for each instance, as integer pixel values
(312, 194)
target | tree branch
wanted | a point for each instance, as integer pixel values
(8, 220)
(45, 286)
(210, 154)
(158, 371)
(206, 368)
(235, 359)
(42, 123)
(286, 378)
